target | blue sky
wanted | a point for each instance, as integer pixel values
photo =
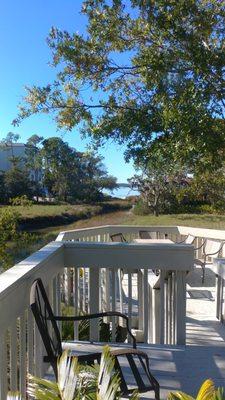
(24, 57)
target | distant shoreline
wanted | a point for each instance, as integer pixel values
(122, 192)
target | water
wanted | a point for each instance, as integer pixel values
(122, 192)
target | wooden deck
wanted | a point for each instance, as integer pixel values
(186, 367)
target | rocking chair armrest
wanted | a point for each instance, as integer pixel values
(199, 247)
(181, 241)
(199, 262)
(121, 352)
(98, 315)
(212, 254)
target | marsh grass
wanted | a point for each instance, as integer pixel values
(49, 233)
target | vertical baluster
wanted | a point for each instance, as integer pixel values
(181, 308)
(87, 293)
(140, 300)
(94, 302)
(54, 294)
(30, 341)
(221, 300)
(38, 353)
(76, 300)
(146, 305)
(174, 306)
(151, 315)
(166, 310)
(170, 305)
(58, 299)
(130, 297)
(84, 290)
(218, 283)
(80, 290)
(22, 366)
(162, 303)
(105, 290)
(69, 287)
(113, 288)
(3, 366)
(119, 276)
(13, 356)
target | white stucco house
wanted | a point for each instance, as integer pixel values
(8, 151)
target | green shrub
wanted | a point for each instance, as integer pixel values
(12, 240)
(21, 201)
(141, 208)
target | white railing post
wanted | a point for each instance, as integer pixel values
(140, 300)
(23, 369)
(113, 291)
(30, 342)
(94, 302)
(146, 305)
(39, 367)
(162, 307)
(76, 301)
(13, 356)
(3, 366)
(181, 307)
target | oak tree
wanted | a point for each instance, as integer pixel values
(153, 73)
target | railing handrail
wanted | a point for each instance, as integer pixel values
(202, 232)
(11, 278)
(110, 229)
(166, 256)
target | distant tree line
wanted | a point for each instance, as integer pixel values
(51, 168)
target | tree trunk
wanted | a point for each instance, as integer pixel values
(155, 206)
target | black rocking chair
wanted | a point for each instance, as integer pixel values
(47, 325)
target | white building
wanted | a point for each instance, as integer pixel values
(8, 151)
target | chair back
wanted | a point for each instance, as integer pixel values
(212, 247)
(46, 324)
(189, 239)
(144, 235)
(118, 237)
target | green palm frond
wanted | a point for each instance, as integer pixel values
(42, 389)
(108, 381)
(67, 376)
(207, 391)
(179, 396)
(219, 394)
(78, 382)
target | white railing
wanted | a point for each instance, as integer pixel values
(176, 233)
(156, 315)
(21, 348)
(93, 283)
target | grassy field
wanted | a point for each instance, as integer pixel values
(196, 220)
(127, 218)
(54, 210)
(47, 232)
(39, 216)
(121, 217)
